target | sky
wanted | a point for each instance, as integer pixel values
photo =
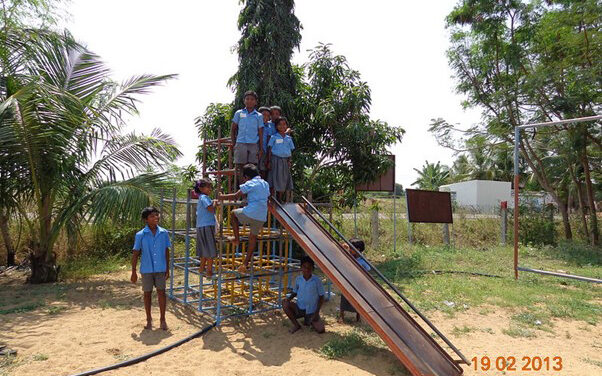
(397, 46)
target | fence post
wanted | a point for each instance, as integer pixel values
(446, 233)
(410, 241)
(504, 220)
(374, 223)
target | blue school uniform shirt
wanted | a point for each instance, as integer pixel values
(281, 146)
(308, 293)
(203, 216)
(363, 263)
(248, 126)
(269, 129)
(153, 249)
(257, 191)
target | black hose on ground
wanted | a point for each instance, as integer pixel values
(144, 357)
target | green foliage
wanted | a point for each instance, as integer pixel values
(113, 241)
(270, 33)
(431, 176)
(66, 141)
(523, 62)
(536, 227)
(344, 345)
(18, 14)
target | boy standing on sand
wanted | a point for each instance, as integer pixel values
(152, 242)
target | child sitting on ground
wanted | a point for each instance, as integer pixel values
(310, 297)
(205, 227)
(153, 243)
(254, 214)
(360, 246)
(280, 147)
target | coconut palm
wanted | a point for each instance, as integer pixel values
(61, 119)
(432, 176)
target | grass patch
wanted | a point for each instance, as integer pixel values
(462, 331)
(83, 267)
(22, 308)
(517, 331)
(39, 357)
(54, 310)
(349, 343)
(597, 363)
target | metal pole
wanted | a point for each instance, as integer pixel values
(516, 192)
(504, 224)
(446, 233)
(173, 240)
(410, 241)
(187, 243)
(355, 215)
(394, 224)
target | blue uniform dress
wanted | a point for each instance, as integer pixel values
(279, 176)
(205, 228)
(269, 129)
(308, 293)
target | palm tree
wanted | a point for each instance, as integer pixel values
(61, 119)
(432, 176)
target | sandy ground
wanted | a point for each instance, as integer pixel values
(98, 322)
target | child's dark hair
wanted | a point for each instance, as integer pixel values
(249, 170)
(358, 244)
(201, 184)
(277, 108)
(148, 211)
(308, 259)
(263, 108)
(281, 118)
(250, 92)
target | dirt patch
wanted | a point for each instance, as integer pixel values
(100, 322)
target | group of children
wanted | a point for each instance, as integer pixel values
(260, 138)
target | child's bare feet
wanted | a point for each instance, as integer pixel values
(164, 325)
(294, 329)
(242, 269)
(149, 324)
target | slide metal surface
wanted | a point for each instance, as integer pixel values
(412, 345)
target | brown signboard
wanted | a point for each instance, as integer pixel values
(384, 183)
(429, 206)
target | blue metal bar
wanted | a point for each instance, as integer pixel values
(173, 246)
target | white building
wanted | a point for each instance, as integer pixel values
(482, 195)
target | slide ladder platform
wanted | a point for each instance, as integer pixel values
(410, 343)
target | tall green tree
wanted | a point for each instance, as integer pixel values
(523, 62)
(61, 122)
(270, 33)
(431, 176)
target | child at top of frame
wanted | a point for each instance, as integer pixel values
(360, 246)
(268, 130)
(205, 227)
(152, 244)
(254, 214)
(247, 131)
(280, 148)
(310, 297)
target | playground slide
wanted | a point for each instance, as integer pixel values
(414, 347)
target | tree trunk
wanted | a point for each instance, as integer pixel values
(43, 267)
(8, 243)
(562, 208)
(590, 197)
(580, 198)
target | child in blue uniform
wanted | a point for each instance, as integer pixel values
(268, 130)
(152, 246)
(280, 148)
(310, 297)
(205, 227)
(254, 214)
(360, 246)
(247, 132)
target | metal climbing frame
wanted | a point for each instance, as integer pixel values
(229, 293)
